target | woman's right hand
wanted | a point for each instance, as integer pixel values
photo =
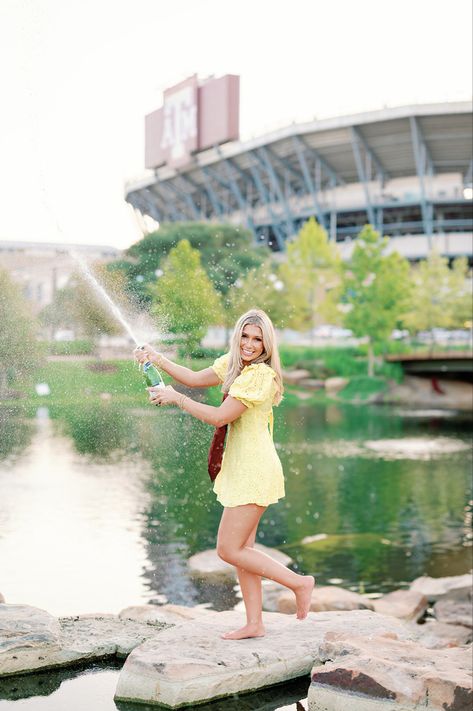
(144, 353)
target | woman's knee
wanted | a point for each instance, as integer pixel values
(226, 551)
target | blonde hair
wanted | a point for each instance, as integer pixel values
(270, 354)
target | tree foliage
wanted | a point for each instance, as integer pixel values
(376, 289)
(19, 348)
(79, 306)
(441, 296)
(227, 253)
(311, 276)
(260, 288)
(184, 299)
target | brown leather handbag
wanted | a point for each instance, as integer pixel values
(214, 462)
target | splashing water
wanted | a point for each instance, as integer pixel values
(99, 288)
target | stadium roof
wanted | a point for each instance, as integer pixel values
(279, 172)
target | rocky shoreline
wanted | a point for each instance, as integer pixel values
(413, 391)
(408, 649)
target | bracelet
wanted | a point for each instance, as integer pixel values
(180, 402)
(158, 359)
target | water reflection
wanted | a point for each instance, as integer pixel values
(77, 689)
(109, 504)
(71, 528)
(98, 430)
(15, 432)
(101, 508)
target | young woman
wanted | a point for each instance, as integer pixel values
(251, 476)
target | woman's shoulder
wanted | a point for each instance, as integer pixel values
(260, 368)
(220, 365)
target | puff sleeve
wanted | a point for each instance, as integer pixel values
(219, 366)
(254, 385)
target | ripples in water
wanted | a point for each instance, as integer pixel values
(401, 448)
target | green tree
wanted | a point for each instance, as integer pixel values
(60, 313)
(19, 348)
(460, 298)
(260, 288)
(441, 296)
(227, 253)
(185, 301)
(79, 306)
(311, 276)
(376, 290)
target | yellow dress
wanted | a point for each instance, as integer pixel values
(251, 472)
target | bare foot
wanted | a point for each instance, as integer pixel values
(253, 630)
(303, 595)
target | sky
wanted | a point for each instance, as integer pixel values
(78, 77)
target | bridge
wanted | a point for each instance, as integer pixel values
(449, 365)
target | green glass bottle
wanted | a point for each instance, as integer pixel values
(152, 375)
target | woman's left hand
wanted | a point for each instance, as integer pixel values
(163, 396)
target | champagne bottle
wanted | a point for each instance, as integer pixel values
(152, 375)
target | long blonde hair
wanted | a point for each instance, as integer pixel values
(270, 354)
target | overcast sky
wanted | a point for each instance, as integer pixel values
(78, 76)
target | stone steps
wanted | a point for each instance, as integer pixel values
(191, 664)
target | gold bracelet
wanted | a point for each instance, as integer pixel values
(180, 402)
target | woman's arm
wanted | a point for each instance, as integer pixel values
(193, 379)
(228, 411)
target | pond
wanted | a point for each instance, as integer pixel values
(101, 507)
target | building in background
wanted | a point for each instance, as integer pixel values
(42, 267)
(405, 170)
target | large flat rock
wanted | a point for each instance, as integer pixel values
(190, 664)
(31, 638)
(436, 588)
(384, 673)
(325, 598)
(455, 608)
(405, 604)
(437, 635)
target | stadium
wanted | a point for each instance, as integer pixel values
(406, 170)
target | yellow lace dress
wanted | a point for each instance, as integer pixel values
(251, 472)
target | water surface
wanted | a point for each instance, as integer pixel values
(100, 508)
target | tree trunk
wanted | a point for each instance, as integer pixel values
(370, 360)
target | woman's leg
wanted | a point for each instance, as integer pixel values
(252, 592)
(235, 527)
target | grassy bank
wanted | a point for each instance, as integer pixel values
(87, 381)
(77, 382)
(334, 361)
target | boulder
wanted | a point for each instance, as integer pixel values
(334, 385)
(32, 639)
(312, 383)
(327, 597)
(363, 673)
(455, 609)
(164, 614)
(207, 564)
(272, 591)
(29, 638)
(417, 391)
(436, 588)
(190, 664)
(292, 377)
(405, 604)
(437, 635)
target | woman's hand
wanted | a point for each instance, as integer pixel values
(144, 353)
(163, 396)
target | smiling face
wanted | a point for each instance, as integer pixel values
(251, 344)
